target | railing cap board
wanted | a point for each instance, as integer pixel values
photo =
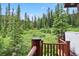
(36, 38)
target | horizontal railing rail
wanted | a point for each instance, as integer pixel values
(54, 43)
(61, 41)
(32, 51)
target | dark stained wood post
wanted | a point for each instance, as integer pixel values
(65, 49)
(68, 48)
(37, 42)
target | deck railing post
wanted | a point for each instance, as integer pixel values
(37, 42)
(68, 48)
(65, 50)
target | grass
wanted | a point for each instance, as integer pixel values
(73, 29)
(46, 37)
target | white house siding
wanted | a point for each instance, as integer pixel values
(73, 37)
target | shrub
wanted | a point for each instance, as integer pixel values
(43, 30)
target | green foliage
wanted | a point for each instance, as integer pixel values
(49, 18)
(46, 31)
(73, 29)
(60, 21)
(0, 17)
(16, 33)
(25, 23)
(16, 38)
(43, 30)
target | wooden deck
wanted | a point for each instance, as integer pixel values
(40, 48)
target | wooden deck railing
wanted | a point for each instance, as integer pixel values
(67, 45)
(57, 49)
(62, 48)
(54, 49)
(62, 40)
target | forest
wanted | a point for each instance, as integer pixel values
(16, 33)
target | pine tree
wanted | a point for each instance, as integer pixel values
(1, 40)
(48, 17)
(12, 41)
(41, 23)
(35, 24)
(8, 9)
(44, 19)
(9, 28)
(28, 22)
(73, 19)
(32, 22)
(18, 12)
(69, 17)
(16, 38)
(77, 19)
(60, 20)
(51, 17)
(38, 23)
(18, 16)
(25, 23)
(0, 18)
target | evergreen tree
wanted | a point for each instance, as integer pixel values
(28, 22)
(18, 12)
(18, 16)
(9, 20)
(49, 18)
(77, 19)
(60, 20)
(0, 18)
(43, 20)
(41, 23)
(32, 23)
(69, 17)
(8, 9)
(25, 23)
(38, 23)
(73, 19)
(16, 38)
(35, 24)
